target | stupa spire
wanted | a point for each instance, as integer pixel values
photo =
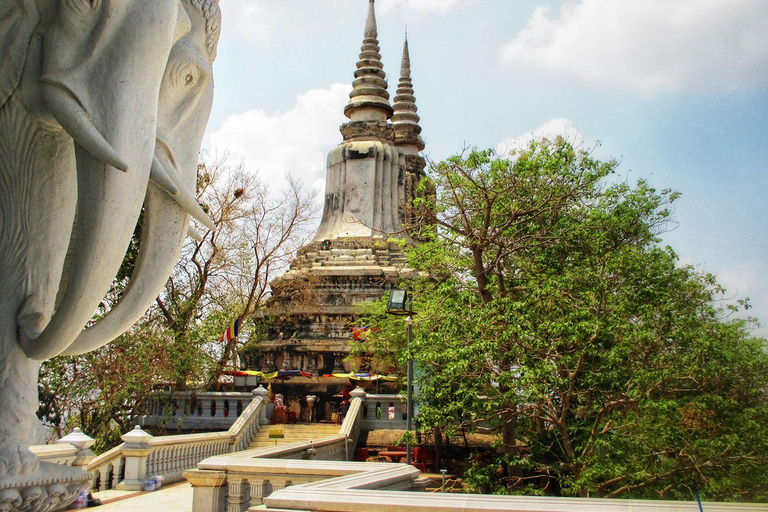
(405, 118)
(369, 99)
(371, 31)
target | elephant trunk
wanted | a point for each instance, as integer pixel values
(108, 103)
(108, 206)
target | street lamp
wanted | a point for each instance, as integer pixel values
(401, 303)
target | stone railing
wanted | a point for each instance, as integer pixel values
(337, 494)
(60, 453)
(235, 484)
(376, 413)
(194, 411)
(232, 483)
(107, 470)
(142, 456)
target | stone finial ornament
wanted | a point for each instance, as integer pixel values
(102, 110)
(371, 31)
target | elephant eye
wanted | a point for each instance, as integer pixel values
(188, 75)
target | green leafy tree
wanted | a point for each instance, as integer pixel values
(552, 312)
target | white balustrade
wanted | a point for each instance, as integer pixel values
(195, 411)
(55, 453)
(218, 490)
(143, 456)
(107, 469)
(377, 409)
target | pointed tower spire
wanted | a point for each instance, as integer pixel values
(371, 31)
(369, 99)
(405, 118)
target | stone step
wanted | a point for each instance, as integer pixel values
(266, 444)
(304, 433)
(267, 440)
(298, 427)
(292, 433)
(321, 435)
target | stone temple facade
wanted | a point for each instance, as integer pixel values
(371, 180)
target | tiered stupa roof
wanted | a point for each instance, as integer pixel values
(405, 118)
(369, 99)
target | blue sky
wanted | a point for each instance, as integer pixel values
(675, 89)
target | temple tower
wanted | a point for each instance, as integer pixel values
(370, 181)
(407, 134)
(366, 173)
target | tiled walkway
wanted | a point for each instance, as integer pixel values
(174, 498)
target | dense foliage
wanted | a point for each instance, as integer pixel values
(553, 313)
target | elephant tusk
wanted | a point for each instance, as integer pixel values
(162, 237)
(184, 198)
(73, 118)
(194, 234)
(159, 177)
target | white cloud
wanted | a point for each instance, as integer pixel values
(421, 6)
(553, 128)
(248, 20)
(270, 23)
(650, 45)
(296, 140)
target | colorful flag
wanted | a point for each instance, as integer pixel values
(231, 332)
(360, 333)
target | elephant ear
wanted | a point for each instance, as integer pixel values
(18, 19)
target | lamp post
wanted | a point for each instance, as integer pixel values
(401, 303)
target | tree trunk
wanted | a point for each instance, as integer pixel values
(509, 442)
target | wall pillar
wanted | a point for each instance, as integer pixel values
(208, 490)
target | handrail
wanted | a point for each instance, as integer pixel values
(60, 453)
(105, 457)
(182, 439)
(246, 425)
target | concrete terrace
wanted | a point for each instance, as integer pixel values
(175, 497)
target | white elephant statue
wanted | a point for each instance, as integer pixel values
(103, 105)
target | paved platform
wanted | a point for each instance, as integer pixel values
(173, 498)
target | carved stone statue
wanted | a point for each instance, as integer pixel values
(103, 104)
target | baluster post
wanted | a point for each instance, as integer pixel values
(206, 406)
(261, 392)
(220, 408)
(104, 477)
(83, 444)
(135, 450)
(237, 495)
(259, 488)
(117, 469)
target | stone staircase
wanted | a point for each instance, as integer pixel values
(268, 434)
